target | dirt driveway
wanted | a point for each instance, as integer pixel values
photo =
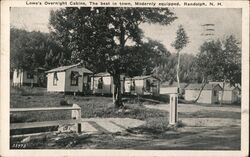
(204, 128)
(203, 116)
(195, 108)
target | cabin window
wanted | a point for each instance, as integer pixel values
(147, 85)
(17, 73)
(88, 78)
(55, 78)
(74, 78)
(154, 84)
(133, 85)
(215, 93)
(100, 83)
(30, 75)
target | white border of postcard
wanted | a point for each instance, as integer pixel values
(5, 99)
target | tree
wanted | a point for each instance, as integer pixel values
(208, 61)
(231, 64)
(100, 37)
(187, 71)
(27, 49)
(220, 62)
(31, 50)
(180, 42)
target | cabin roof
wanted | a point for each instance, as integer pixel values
(102, 74)
(143, 77)
(128, 78)
(64, 68)
(227, 86)
(174, 84)
(196, 86)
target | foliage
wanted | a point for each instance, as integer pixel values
(209, 59)
(31, 50)
(188, 69)
(100, 37)
(181, 39)
(180, 42)
(232, 61)
(220, 61)
(143, 59)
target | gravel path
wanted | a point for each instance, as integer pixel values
(109, 125)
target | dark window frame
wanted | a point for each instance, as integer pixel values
(74, 80)
(100, 83)
(133, 85)
(30, 75)
(55, 79)
(17, 73)
(148, 85)
(215, 93)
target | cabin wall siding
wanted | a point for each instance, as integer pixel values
(107, 87)
(72, 88)
(230, 96)
(60, 87)
(205, 97)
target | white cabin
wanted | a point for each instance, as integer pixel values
(128, 85)
(102, 83)
(73, 78)
(142, 85)
(209, 94)
(22, 77)
(169, 88)
(231, 94)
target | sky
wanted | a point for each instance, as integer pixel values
(227, 22)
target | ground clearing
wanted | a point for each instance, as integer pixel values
(202, 127)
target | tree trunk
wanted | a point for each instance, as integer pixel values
(114, 92)
(204, 84)
(32, 83)
(177, 71)
(117, 97)
(222, 93)
(20, 78)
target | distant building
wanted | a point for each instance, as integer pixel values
(143, 85)
(128, 85)
(102, 83)
(209, 94)
(231, 94)
(72, 78)
(22, 77)
(168, 88)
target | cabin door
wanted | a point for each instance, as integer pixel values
(86, 84)
(216, 96)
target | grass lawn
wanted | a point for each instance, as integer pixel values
(155, 134)
(92, 106)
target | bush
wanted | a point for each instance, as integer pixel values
(153, 126)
